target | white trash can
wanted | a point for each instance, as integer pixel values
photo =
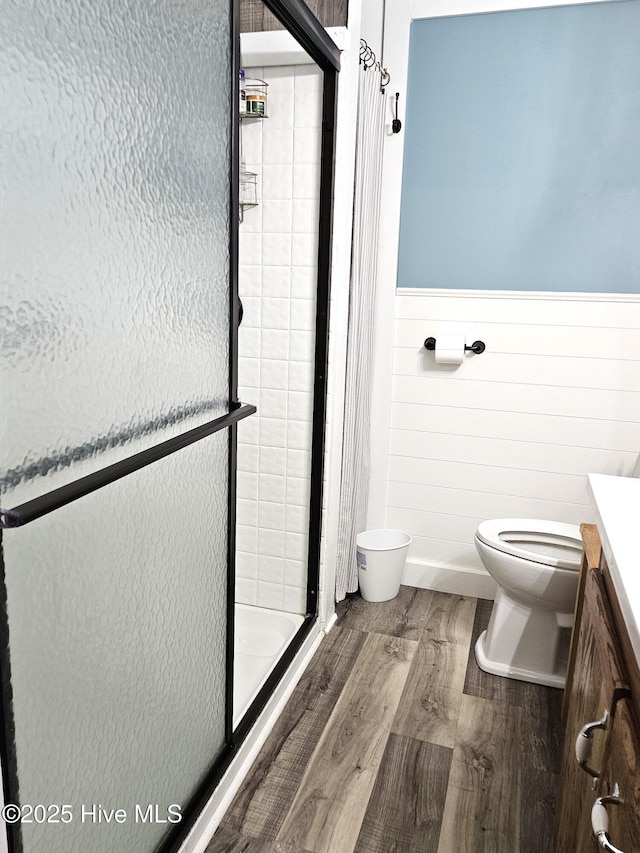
(381, 555)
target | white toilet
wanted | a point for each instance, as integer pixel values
(536, 566)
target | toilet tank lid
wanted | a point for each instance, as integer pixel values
(519, 536)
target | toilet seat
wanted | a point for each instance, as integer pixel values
(560, 545)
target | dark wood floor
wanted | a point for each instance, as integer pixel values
(395, 742)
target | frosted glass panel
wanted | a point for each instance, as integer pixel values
(114, 229)
(117, 616)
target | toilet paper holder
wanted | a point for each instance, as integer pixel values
(477, 346)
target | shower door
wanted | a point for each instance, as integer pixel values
(118, 417)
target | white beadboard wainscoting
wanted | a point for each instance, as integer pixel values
(509, 433)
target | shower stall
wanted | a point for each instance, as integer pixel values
(280, 152)
(127, 451)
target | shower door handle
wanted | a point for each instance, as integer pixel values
(18, 516)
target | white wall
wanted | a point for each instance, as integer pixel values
(511, 432)
(373, 25)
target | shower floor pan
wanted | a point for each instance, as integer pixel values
(261, 637)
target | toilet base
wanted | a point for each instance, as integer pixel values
(549, 679)
(525, 642)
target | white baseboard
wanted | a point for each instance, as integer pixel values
(473, 582)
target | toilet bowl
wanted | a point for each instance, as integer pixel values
(536, 566)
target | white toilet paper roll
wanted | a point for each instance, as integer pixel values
(450, 349)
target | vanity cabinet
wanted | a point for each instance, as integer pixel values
(622, 769)
(600, 728)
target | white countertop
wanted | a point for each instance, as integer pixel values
(617, 504)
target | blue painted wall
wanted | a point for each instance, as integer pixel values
(522, 151)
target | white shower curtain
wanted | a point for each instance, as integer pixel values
(361, 329)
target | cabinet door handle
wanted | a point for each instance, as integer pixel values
(584, 741)
(600, 820)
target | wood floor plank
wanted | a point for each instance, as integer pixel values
(331, 778)
(265, 797)
(430, 703)
(542, 734)
(542, 746)
(481, 813)
(541, 758)
(538, 796)
(403, 616)
(331, 802)
(483, 684)
(230, 841)
(405, 808)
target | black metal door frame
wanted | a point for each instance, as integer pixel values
(297, 18)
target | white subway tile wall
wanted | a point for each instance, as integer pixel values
(277, 282)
